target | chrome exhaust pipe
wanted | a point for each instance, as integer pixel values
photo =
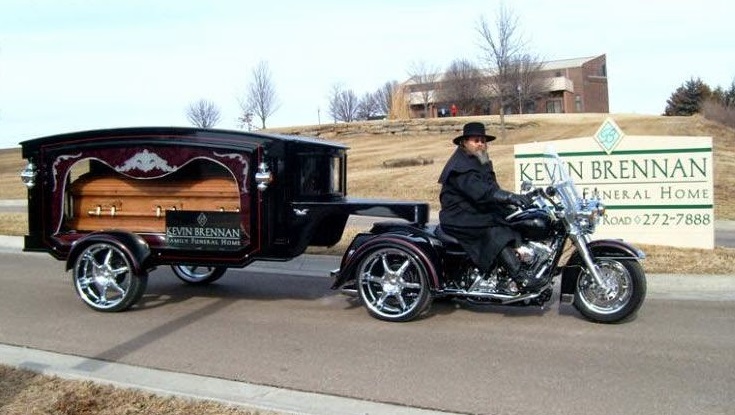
(349, 291)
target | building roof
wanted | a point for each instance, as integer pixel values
(547, 66)
(568, 63)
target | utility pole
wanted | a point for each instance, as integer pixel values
(520, 101)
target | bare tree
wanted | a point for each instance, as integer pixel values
(526, 74)
(261, 97)
(462, 84)
(504, 52)
(424, 77)
(384, 96)
(203, 114)
(368, 107)
(343, 104)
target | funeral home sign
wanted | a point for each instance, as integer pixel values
(658, 189)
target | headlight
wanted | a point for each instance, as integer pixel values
(587, 219)
(594, 211)
(584, 224)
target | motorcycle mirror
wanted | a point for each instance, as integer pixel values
(551, 191)
(526, 185)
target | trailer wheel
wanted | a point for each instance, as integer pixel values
(105, 280)
(198, 275)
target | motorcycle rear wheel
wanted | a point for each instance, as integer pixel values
(393, 284)
(623, 296)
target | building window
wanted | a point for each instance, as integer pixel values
(578, 103)
(554, 106)
(603, 70)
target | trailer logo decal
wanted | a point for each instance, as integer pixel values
(145, 161)
(203, 230)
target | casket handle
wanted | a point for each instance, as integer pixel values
(96, 212)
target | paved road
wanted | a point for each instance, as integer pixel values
(13, 206)
(287, 329)
(725, 234)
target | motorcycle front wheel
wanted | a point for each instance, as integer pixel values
(621, 297)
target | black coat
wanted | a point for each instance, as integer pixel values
(469, 210)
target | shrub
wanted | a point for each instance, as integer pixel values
(407, 161)
(716, 111)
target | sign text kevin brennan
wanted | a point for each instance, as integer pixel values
(658, 189)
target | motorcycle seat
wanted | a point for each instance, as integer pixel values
(445, 237)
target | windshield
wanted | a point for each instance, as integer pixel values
(560, 179)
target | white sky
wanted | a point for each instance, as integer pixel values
(76, 65)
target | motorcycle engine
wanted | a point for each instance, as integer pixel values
(533, 254)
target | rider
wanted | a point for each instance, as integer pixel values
(474, 207)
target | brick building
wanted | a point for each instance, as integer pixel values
(568, 86)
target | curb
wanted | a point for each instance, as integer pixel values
(11, 243)
(198, 387)
(13, 202)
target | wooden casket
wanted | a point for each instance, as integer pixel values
(140, 205)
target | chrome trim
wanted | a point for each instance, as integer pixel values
(581, 244)
(301, 212)
(503, 298)
(263, 177)
(350, 292)
(28, 175)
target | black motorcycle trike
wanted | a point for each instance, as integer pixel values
(397, 269)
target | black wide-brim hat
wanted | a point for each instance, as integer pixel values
(473, 129)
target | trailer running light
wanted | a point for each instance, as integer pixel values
(28, 175)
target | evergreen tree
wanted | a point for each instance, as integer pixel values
(688, 98)
(728, 98)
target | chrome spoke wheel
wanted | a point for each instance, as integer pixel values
(392, 284)
(104, 278)
(198, 275)
(621, 295)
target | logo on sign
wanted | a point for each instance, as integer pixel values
(609, 135)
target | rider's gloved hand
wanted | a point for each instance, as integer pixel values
(509, 198)
(522, 201)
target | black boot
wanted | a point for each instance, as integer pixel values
(525, 280)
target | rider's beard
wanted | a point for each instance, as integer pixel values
(482, 156)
